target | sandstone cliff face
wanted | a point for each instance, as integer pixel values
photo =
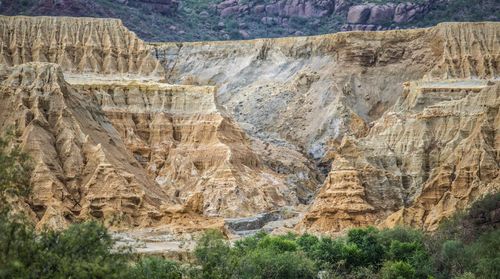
(432, 154)
(79, 45)
(82, 169)
(188, 146)
(310, 90)
(320, 93)
(110, 142)
(115, 145)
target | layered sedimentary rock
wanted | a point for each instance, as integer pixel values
(120, 147)
(111, 142)
(82, 168)
(189, 146)
(433, 153)
(310, 90)
(321, 93)
(78, 45)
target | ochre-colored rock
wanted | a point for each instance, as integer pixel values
(433, 153)
(403, 124)
(82, 168)
(188, 145)
(78, 45)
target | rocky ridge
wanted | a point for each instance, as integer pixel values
(323, 92)
(78, 45)
(208, 20)
(114, 142)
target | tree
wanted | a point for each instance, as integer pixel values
(15, 172)
(213, 254)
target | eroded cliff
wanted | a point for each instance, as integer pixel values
(81, 165)
(111, 141)
(78, 45)
(433, 153)
(323, 93)
(188, 145)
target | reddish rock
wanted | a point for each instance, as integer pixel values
(381, 14)
(229, 11)
(359, 14)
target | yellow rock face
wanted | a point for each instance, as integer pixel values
(189, 146)
(78, 45)
(82, 168)
(403, 124)
(433, 153)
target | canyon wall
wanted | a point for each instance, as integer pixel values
(82, 168)
(189, 146)
(310, 90)
(114, 144)
(325, 93)
(403, 124)
(433, 153)
(78, 45)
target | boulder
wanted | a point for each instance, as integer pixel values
(226, 4)
(229, 11)
(406, 12)
(359, 14)
(381, 14)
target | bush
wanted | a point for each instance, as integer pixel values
(397, 270)
(214, 256)
(272, 264)
(156, 268)
(81, 251)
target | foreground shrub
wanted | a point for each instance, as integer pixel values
(397, 270)
(156, 268)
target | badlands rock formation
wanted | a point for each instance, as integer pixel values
(188, 146)
(78, 45)
(252, 126)
(113, 144)
(433, 153)
(323, 93)
(81, 165)
(310, 90)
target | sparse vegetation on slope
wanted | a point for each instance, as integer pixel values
(195, 20)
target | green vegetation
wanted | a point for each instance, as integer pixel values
(199, 20)
(466, 246)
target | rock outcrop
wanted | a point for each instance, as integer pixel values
(433, 153)
(311, 90)
(322, 93)
(79, 45)
(252, 126)
(189, 146)
(82, 168)
(111, 143)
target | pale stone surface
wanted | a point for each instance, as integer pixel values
(111, 142)
(432, 154)
(82, 168)
(79, 45)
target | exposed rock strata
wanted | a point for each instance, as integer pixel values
(79, 45)
(115, 146)
(320, 93)
(82, 168)
(188, 146)
(432, 154)
(310, 90)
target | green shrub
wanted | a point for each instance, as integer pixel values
(397, 270)
(156, 268)
(271, 264)
(214, 255)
